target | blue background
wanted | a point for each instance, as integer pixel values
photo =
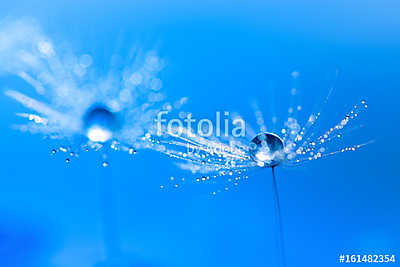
(222, 55)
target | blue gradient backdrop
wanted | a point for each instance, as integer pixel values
(222, 55)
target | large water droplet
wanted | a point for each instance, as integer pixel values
(267, 150)
(100, 124)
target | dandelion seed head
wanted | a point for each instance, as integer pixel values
(299, 141)
(119, 105)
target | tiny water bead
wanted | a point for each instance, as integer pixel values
(267, 150)
(100, 124)
(131, 151)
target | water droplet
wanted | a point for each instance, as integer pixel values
(268, 150)
(100, 123)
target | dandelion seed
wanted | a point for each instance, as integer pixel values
(292, 146)
(86, 112)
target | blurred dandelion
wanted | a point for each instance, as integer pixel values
(74, 104)
(83, 109)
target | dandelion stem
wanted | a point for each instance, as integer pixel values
(111, 237)
(280, 239)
